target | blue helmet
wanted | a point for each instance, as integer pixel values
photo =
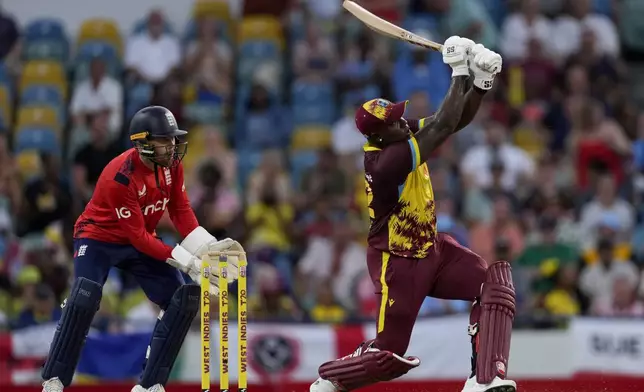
(157, 122)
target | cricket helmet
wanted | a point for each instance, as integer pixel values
(378, 111)
(157, 122)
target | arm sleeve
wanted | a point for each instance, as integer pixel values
(179, 209)
(125, 206)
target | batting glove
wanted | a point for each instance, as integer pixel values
(485, 64)
(456, 55)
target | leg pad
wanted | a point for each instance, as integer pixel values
(169, 333)
(78, 312)
(498, 306)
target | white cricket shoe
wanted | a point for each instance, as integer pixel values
(153, 388)
(52, 385)
(322, 385)
(497, 385)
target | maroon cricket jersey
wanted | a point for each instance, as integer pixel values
(127, 205)
(400, 198)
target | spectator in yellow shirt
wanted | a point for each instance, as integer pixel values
(327, 309)
(562, 299)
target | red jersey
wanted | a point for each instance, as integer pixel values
(127, 205)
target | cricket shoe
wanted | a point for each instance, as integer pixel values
(322, 385)
(52, 385)
(497, 385)
(153, 388)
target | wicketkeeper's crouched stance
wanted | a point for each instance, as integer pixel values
(117, 230)
(407, 259)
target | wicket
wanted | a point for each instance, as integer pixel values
(242, 320)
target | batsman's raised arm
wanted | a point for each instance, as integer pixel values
(460, 104)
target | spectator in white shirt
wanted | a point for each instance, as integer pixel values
(153, 55)
(346, 140)
(521, 27)
(339, 259)
(568, 29)
(477, 162)
(99, 92)
(606, 208)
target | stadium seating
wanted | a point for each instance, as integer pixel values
(211, 9)
(6, 107)
(49, 73)
(38, 117)
(102, 30)
(42, 140)
(261, 28)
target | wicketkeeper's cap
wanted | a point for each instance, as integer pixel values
(378, 111)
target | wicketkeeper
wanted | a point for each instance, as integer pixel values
(117, 229)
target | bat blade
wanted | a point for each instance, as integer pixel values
(386, 28)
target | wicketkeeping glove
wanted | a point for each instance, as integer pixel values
(485, 64)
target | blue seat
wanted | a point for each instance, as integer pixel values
(40, 139)
(252, 159)
(46, 28)
(91, 49)
(353, 97)
(303, 93)
(41, 95)
(254, 53)
(314, 114)
(46, 49)
(301, 161)
(138, 97)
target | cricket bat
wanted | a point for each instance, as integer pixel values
(389, 29)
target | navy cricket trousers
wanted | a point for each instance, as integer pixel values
(93, 260)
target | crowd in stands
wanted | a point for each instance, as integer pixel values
(549, 175)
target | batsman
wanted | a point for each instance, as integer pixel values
(407, 259)
(117, 229)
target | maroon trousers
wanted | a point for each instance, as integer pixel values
(450, 271)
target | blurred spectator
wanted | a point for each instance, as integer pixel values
(10, 46)
(270, 301)
(602, 68)
(43, 309)
(208, 63)
(539, 75)
(598, 143)
(476, 165)
(47, 199)
(523, 27)
(326, 308)
(419, 70)
(562, 300)
(94, 155)
(99, 92)
(622, 303)
(219, 152)
(543, 257)
(314, 57)
(504, 225)
(346, 140)
(274, 8)
(597, 280)
(580, 17)
(262, 112)
(269, 214)
(216, 203)
(607, 208)
(326, 10)
(338, 260)
(152, 55)
(325, 180)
